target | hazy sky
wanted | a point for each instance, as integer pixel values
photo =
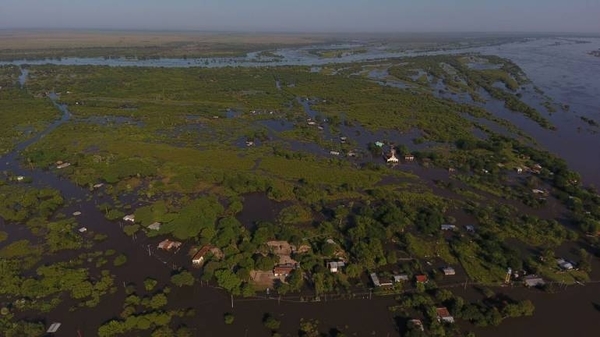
(307, 15)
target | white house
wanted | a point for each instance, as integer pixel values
(400, 278)
(392, 158)
(63, 165)
(335, 266)
(449, 271)
(564, 264)
(129, 217)
(448, 227)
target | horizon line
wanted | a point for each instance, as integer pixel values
(268, 31)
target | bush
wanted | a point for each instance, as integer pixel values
(120, 260)
(271, 322)
(185, 278)
(149, 284)
(228, 318)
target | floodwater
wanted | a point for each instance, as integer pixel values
(564, 72)
(258, 208)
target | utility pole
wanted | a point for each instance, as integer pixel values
(232, 301)
(370, 293)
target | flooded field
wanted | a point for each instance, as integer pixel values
(563, 72)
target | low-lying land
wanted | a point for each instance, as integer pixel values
(299, 184)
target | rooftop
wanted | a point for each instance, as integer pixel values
(443, 312)
(421, 278)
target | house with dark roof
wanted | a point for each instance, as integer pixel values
(283, 270)
(198, 258)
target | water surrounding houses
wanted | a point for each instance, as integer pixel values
(563, 71)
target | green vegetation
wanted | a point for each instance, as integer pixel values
(457, 76)
(120, 260)
(150, 284)
(228, 318)
(20, 204)
(184, 278)
(490, 311)
(24, 115)
(271, 322)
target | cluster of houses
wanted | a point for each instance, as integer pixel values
(155, 226)
(442, 315)
(380, 281)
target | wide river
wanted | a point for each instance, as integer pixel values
(562, 68)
